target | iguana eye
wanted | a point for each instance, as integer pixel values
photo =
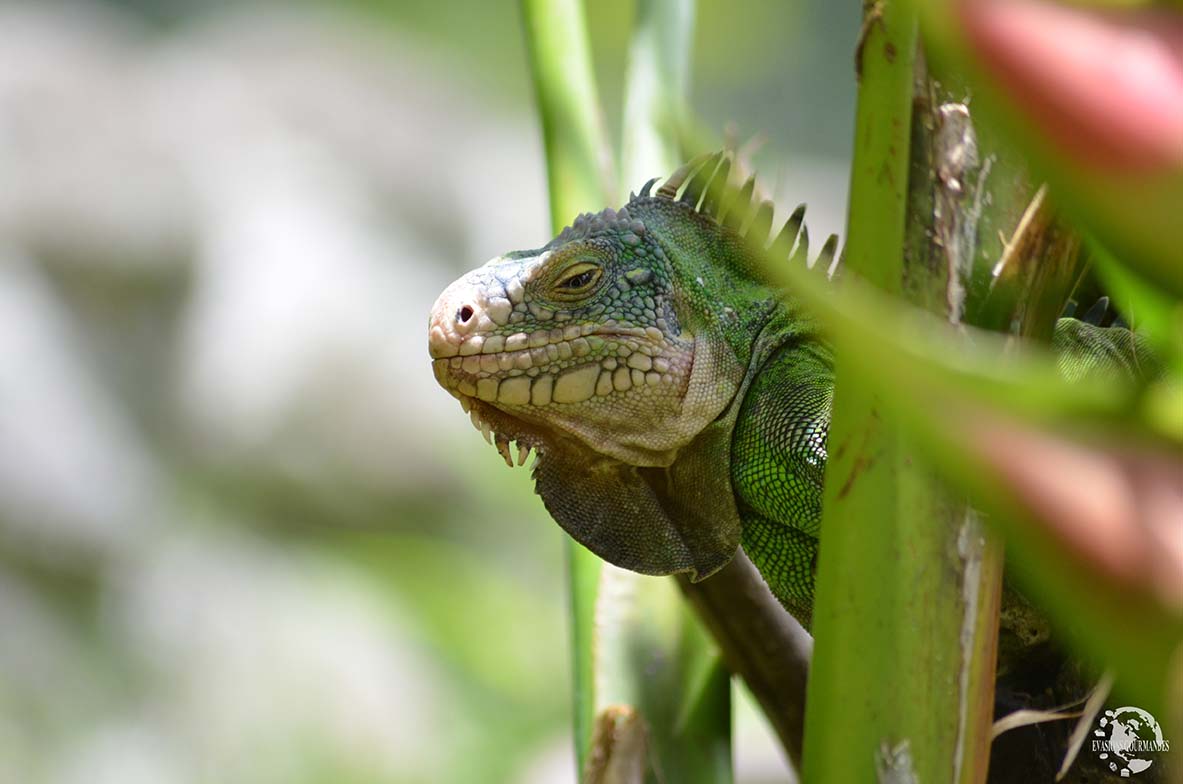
(578, 278)
(582, 280)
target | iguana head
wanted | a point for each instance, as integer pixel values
(583, 339)
(615, 351)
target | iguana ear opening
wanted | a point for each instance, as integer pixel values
(654, 521)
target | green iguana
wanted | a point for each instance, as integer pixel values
(677, 401)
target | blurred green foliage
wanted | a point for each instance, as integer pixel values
(303, 587)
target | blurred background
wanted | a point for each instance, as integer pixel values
(243, 536)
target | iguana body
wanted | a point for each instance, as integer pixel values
(678, 402)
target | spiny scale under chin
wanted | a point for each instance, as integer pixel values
(499, 441)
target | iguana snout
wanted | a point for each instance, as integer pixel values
(468, 312)
(528, 344)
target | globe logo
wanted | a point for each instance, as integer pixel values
(1127, 739)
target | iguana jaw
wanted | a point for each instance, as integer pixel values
(503, 432)
(632, 393)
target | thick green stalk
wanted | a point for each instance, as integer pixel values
(656, 91)
(907, 584)
(654, 661)
(576, 156)
(650, 695)
(577, 151)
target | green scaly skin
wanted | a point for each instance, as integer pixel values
(678, 403)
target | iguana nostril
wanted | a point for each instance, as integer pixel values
(464, 314)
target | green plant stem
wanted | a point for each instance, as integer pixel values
(573, 133)
(577, 155)
(653, 657)
(656, 89)
(649, 691)
(905, 572)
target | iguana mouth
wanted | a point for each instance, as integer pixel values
(501, 430)
(583, 364)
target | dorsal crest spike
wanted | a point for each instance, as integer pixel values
(724, 196)
(801, 254)
(797, 219)
(826, 257)
(757, 233)
(782, 246)
(1096, 314)
(669, 189)
(704, 184)
(740, 208)
(697, 186)
(716, 190)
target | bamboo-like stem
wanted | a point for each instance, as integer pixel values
(760, 642)
(906, 571)
(649, 692)
(947, 189)
(654, 661)
(576, 154)
(657, 85)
